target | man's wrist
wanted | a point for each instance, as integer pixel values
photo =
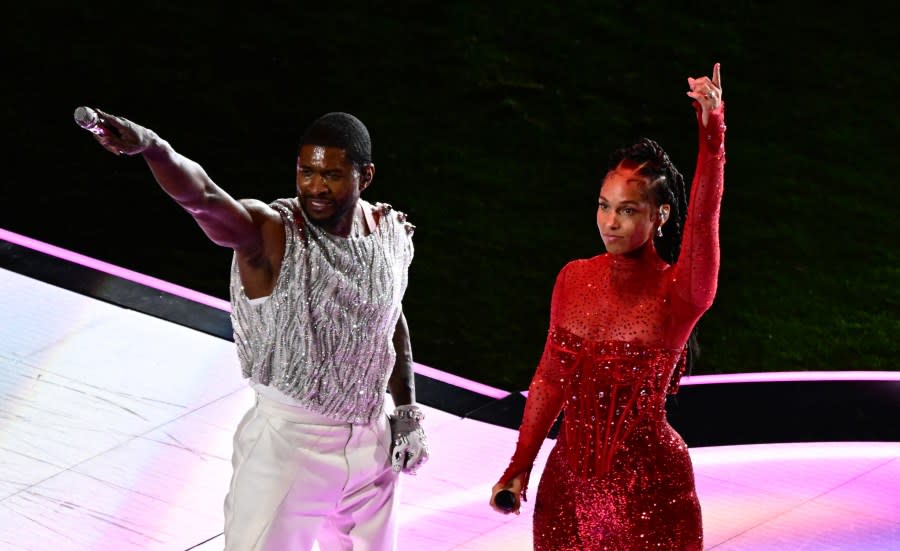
(156, 148)
(409, 411)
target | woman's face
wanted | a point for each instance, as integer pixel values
(626, 217)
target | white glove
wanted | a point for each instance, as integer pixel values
(409, 447)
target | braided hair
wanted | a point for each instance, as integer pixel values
(665, 187)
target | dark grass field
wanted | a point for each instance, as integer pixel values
(490, 124)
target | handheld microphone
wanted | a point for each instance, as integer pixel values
(506, 500)
(88, 119)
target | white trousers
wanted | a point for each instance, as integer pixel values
(300, 477)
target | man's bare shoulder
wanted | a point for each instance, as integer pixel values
(260, 265)
(260, 211)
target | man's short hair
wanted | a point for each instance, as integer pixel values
(343, 131)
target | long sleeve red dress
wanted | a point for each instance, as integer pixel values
(619, 476)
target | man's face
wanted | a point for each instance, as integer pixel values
(328, 185)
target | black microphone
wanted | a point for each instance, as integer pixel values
(88, 119)
(506, 500)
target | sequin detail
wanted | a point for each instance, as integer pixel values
(324, 335)
(619, 476)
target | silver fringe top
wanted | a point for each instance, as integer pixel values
(324, 335)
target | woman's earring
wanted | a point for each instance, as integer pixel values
(658, 231)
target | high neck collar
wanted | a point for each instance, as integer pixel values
(643, 256)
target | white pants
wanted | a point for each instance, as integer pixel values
(300, 477)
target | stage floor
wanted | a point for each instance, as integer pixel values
(115, 434)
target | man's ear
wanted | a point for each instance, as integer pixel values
(366, 176)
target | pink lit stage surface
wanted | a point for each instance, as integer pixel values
(116, 426)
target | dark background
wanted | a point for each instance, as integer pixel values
(490, 125)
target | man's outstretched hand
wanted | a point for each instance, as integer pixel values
(117, 135)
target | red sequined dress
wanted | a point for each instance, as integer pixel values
(619, 476)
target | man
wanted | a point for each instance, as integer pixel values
(317, 282)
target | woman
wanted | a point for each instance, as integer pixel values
(619, 476)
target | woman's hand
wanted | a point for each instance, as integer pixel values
(707, 92)
(514, 486)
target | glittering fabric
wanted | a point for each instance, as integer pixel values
(324, 335)
(619, 476)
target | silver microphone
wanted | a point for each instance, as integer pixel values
(88, 119)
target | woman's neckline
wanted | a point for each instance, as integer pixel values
(644, 255)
